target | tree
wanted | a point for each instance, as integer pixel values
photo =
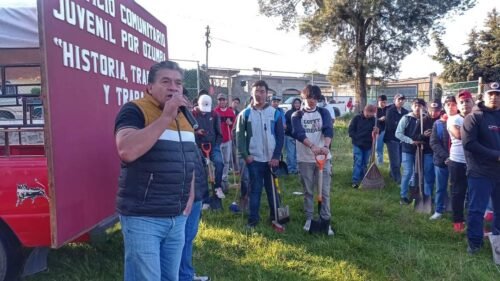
(341, 71)
(481, 59)
(372, 35)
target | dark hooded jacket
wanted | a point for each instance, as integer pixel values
(440, 143)
(481, 139)
(360, 131)
(288, 118)
(392, 118)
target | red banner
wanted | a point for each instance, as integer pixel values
(96, 57)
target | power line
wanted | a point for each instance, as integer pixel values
(245, 46)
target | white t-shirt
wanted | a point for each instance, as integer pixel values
(457, 149)
(312, 123)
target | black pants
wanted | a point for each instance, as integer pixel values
(458, 189)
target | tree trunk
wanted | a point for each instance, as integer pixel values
(360, 88)
(360, 66)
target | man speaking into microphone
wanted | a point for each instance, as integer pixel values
(156, 145)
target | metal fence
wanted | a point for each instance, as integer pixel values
(454, 88)
(237, 83)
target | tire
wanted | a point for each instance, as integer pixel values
(10, 256)
(337, 111)
(6, 115)
(3, 261)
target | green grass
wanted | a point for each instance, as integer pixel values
(376, 239)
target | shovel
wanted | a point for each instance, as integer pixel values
(419, 201)
(215, 202)
(277, 226)
(423, 203)
(283, 212)
(320, 225)
(207, 148)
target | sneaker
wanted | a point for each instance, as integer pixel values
(201, 278)
(488, 216)
(459, 227)
(355, 185)
(404, 201)
(330, 231)
(219, 193)
(472, 250)
(486, 231)
(436, 216)
(251, 225)
(205, 206)
(307, 225)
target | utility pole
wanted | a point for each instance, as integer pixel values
(431, 85)
(207, 45)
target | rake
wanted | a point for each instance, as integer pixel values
(373, 179)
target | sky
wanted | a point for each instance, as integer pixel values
(244, 39)
(241, 38)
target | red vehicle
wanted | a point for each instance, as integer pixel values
(66, 67)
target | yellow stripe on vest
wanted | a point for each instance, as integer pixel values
(151, 110)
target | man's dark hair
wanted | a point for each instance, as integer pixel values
(260, 83)
(202, 92)
(238, 99)
(163, 65)
(311, 92)
(382, 98)
(450, 99)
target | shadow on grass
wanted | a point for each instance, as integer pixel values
(376, 238)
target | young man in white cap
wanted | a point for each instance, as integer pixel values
(209, 135)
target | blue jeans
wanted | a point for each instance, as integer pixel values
(186, 270)
(153, 247)
(216, 158)
(244, 178)
(361, 158)
(291, 154)
(394, 151)
(441, 188)
(260, 175)
(408, 163)
(480, 190)
(380, 148)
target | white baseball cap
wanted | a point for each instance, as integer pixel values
(205, 103)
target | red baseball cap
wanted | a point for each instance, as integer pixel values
(464, 95)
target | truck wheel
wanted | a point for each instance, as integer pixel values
(10, 256)
(6, 115)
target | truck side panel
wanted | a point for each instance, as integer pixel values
(24, 201)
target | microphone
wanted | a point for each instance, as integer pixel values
(189, 116)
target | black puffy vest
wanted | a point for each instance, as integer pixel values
(157, 184)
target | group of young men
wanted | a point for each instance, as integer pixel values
(163, 179)
(457, 143)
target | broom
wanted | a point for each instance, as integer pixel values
(373, 179)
